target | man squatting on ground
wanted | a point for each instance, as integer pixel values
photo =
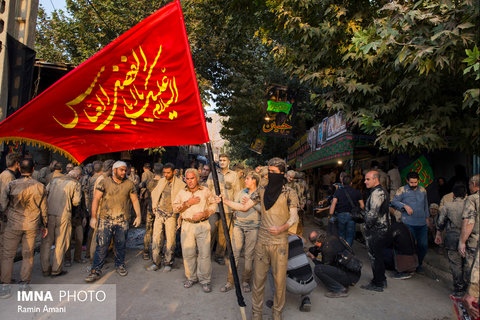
(279, 212)
(300, 280)
(113, 217)
(195, 204)
(324, 254)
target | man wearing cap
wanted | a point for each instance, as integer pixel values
(279, 205)
(195, 204)
(113, 216)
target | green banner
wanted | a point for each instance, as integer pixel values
(422, 167)
(279, 106)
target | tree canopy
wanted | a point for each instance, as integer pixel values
(406, 72)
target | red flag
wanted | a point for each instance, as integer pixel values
(140, 91)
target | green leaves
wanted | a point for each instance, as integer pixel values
(393, 67)
(473, 61)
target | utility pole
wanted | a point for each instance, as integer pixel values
(18, 20)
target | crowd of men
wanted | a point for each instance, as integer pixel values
(264, 212)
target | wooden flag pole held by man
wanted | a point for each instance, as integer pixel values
(238, 290)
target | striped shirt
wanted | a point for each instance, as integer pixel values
(298, 265)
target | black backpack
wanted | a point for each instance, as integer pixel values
(347, 259)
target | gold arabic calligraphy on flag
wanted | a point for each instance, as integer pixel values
(144, 92)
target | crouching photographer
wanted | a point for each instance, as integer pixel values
(335, 263)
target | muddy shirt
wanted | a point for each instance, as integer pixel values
(207, 201)
(229, 185)
(376, 211)
(165, 203)
(450, 219)
(24, 201)
(249, 219)
(5, 178)
(115, 203)
(62, 194)
(471, 214)
(277, 215)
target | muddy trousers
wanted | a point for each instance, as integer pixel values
(221, 248)
(3, 225)
(59, 233)
(106, 231)
(273, 256)
(243, 238)
(11, 240)
(196, 236)
(458, 268)
(77, 234)
(147, 240)
(164, 228)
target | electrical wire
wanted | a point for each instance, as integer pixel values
(101, 18)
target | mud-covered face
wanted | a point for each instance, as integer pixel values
(168, 173)
(191, 180)
(120, 172)
(223, 163)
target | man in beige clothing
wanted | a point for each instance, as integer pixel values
(165, 224)
(63, 194)
(24, 202)
(13, 165)
(195, 204)
(229, 187)
(56, 173)
(279, 205)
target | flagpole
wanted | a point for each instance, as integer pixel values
(233, 265)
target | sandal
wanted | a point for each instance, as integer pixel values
(227, 287)
(188, 284)
(207, 287)
(246, 287)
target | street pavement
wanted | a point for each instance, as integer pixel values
(159, 295)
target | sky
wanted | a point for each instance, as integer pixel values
(50, 5)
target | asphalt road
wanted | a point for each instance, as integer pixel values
(158, 295)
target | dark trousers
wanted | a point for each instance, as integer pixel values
(107, 230)
(334, 278)
(376, 244)
(420, 235)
